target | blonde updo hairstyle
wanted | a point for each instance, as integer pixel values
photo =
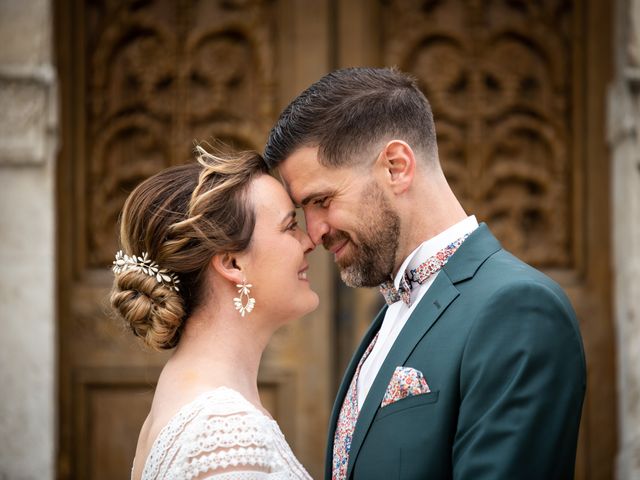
(182, 217)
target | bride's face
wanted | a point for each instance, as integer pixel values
(277, 265)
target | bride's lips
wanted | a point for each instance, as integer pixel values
(302, 274)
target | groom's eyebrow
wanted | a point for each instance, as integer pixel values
(311, 196)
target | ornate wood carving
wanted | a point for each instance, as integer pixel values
(159, 76)
(498, 76)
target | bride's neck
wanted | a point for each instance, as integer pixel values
(220, 349)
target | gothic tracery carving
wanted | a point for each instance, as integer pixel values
(496, 74)
(160, 75)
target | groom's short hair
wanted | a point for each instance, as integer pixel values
(350, 110)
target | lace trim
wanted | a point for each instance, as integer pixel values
(250, 476)
(164, 443)
(225, 420)
(259, 458)
(290, 462)
(242, 430)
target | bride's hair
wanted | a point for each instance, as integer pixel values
(181, 217)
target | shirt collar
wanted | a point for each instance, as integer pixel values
(432, 246)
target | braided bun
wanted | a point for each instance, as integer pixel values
(152, 311)
(181, 217)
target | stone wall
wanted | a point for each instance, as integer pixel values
(624, 140)
(28, 132)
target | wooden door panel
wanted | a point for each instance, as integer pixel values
(110, 405)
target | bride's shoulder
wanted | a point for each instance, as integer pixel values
(213, 419)
(221, 431)
(222, 401)
(217, 406)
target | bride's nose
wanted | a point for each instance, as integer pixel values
(306, 242)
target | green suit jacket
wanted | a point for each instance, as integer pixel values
(499, 345)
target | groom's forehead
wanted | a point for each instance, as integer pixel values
(304, 188)
(300, 171)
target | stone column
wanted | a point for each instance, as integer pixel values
(624, 140)
(28, 132)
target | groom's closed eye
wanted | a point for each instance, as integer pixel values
(322, 202)
(316, 197)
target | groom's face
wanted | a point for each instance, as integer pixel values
(348, 213)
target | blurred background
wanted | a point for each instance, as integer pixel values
(537, 111)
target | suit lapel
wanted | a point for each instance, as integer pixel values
(344, 387)
(463, 265)
(435, 301)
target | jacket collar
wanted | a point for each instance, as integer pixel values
(464, 264)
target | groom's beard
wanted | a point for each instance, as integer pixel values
(370, 262)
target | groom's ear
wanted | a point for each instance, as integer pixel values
(398, 164)
(228, 265)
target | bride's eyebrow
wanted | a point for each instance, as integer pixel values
(291, 214)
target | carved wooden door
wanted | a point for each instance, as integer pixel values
(518, 92)
(140, 81)
(517, 88)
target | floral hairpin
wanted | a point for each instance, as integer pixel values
(144, 264)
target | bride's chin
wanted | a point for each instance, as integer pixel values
(293, 309)
(315, 302)
(310, 303)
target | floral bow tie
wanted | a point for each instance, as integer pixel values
(418, 275)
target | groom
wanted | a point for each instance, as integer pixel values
(475, 369)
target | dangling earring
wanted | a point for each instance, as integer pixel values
(239, 302)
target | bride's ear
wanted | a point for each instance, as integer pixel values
(228, 266)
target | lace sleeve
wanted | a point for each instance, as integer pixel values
(235, 446)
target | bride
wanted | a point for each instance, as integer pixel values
(212, 263)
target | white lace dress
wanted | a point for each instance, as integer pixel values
(221, 435)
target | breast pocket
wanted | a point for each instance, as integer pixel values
(405, 424)
(415, 401)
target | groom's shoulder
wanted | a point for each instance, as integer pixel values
(512, 268)
(485, 274)
(505, 275)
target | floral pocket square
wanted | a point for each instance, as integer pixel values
(405, 382)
